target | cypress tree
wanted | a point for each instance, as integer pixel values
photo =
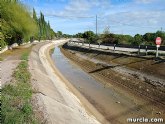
(35, 15)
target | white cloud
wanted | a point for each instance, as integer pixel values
(75, 8)
(81, 8)
(145, 1)
(137, 16)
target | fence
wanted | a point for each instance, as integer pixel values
(149, 47)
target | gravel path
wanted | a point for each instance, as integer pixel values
(6, 70)
(10, 62)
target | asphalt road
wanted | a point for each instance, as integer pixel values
(119, 49)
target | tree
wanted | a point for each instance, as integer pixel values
(89, 36)
(17, 24)
(44, 29)
(35, 15)
(79, 35)
(107, 37)
(138, 39)
(59, 34)
(149, 37)
(123, 39)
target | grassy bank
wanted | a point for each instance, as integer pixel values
(15, 53)
(16, 96)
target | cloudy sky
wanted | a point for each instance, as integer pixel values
(120, 16)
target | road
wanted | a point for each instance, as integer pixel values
(117, 49)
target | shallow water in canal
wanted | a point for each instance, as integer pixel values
(113, 104)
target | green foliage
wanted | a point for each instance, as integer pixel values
(2, 41)
(107, 37)
(17, 24)
(66, 36)
(44, 29)
(35, 15)
(149, 37)
(79, 35)
(59, 34)
(16, 106)
(138, 39)
(123, 39)
(27, 109)
(89, 36)
(25, 56)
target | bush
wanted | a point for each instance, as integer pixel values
(2, 41)
(17, 24)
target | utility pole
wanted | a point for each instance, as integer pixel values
(161, 29)
(96, 24)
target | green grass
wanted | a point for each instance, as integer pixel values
(16, 96)
(25, 56)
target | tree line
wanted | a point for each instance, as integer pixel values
(18, 26)
(109, 38)
(44, 29)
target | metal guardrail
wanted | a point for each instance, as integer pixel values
(141, 50)
(149, 47)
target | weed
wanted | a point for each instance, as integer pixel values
(25, 56)
(16, 106)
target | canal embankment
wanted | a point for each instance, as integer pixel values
(55, 98)
(128, 75)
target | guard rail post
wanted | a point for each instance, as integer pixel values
(139, 50)
(146, 51)
(114, 47)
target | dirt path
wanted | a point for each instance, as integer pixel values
(11, 59)
(52, 95)
(7, 67)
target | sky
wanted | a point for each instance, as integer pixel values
(119, 16)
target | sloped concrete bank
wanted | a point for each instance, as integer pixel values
(55, 99)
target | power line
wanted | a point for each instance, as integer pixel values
(87, 17)
(71, 16)
(133, 25)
